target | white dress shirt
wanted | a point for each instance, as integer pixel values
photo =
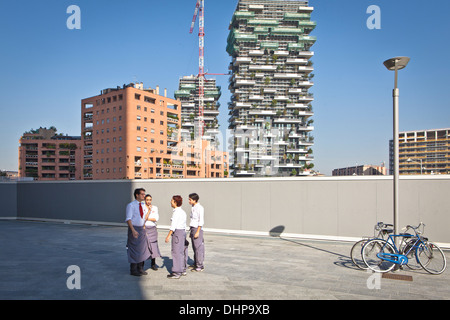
(178, 219)
(153, 214)
(134, 215)
(197, 216)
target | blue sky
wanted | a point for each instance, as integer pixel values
(46, 69)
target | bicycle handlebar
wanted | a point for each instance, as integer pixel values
(421, 224)
(382, 225)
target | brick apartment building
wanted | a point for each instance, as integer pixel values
(134, 133)
(45, 155)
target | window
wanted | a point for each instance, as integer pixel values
(138, 138)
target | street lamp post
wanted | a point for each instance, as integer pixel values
(411, 160)
(395, 64)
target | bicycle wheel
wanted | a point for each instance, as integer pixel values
(372, 251)
(409, 251)
(431, 258)
(356, 254)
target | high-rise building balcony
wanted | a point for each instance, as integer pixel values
(256, 97)
(261, 112)
(296, 16)
(287, 76)
(306, 54)
(281, 53)
(296, 61)
(239, 83)
(263, 22)
(254, 53)
(211, 111)
(287, 120)
(296, 105)
(239, 105)
(262, 67)
(237, 61)
(307, 84)
(307, 98)
(305, 69)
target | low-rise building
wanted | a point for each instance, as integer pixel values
(46, 155)
(362, 170)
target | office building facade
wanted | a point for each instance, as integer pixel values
(422, 152)
(270, 109)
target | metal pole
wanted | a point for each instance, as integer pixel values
(395, 95)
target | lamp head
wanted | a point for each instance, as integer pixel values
(400, 62)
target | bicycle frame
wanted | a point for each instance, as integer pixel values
(397, 257)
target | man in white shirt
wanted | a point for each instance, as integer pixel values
(137, 249)
(196, 234)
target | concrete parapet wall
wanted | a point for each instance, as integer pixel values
(340, 208)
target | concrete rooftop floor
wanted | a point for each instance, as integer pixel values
(35, 257)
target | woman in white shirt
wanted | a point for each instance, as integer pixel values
(178, 234)
(152, 233)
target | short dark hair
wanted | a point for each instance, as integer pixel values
(148, 195)
(194, 197)
(178, 200)
(137, 191)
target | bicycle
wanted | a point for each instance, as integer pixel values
(383, 255)
(356, 250)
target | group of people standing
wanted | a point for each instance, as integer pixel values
(142, 242)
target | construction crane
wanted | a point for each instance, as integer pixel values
(200, 12)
